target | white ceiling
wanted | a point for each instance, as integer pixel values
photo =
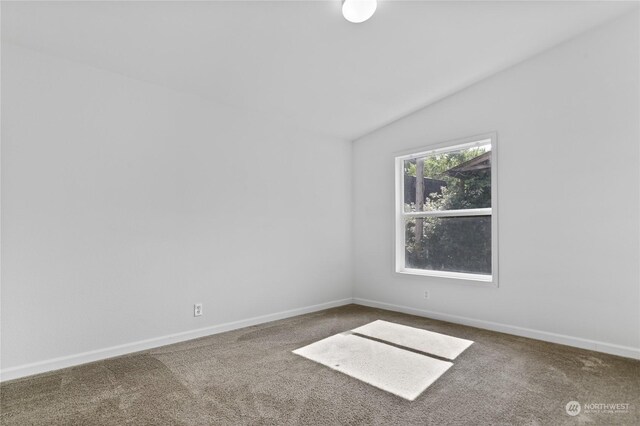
(301, 59)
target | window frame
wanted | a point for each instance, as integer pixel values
(401, 215)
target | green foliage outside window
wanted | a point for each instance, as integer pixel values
(460, 244)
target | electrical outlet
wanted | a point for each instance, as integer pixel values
(197, 309)
(426, 294)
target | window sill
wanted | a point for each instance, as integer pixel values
(478, 278)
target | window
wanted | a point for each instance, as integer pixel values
(446, 222)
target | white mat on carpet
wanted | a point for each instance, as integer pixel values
(398, 371)
(415, 338)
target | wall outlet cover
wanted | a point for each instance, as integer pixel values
(197, 309)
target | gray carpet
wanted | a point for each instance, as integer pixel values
(250, 376)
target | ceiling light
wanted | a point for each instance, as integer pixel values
(357, 11)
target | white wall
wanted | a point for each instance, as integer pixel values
(568, 136)
(123, 203)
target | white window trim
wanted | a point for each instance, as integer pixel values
(400, 215)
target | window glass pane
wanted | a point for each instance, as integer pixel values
(450, 181)
(454, 244)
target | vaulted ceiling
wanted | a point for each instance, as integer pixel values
(301, 59)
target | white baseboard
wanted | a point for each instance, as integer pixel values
(127, 348)
(100, 354)
(609, 348)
